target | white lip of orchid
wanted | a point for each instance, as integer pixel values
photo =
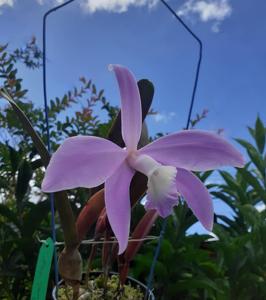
(160, 178)
(161, 181)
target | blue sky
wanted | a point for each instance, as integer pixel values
(86, 36)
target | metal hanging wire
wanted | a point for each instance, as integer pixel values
(192, 100)
(158, 247)
(46, 109)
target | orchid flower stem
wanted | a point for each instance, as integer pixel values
(90, 259)
(106, 260)
(67, 221)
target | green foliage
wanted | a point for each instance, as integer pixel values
(30, 54)
(186, 268)
(232, 267)
(241, 245)
(190, 266)
(24, 210)
(99, 289)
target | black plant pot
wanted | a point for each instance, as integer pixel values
(134, 282)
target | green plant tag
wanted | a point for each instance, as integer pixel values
(42, 271)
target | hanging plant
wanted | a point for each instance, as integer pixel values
(129, 168)
(166, 163)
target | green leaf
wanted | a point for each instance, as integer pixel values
(24, 176)
(100, 94)
(255, 156)
(253, 181)
(198, 283)
(225, 198)
(21, 94)
(14, 159)
(94, 90)
(233, 185)
(4, 184)
(8, 214)
(204, 175)
(228, 221)
(251, 131)
(27, 126)
(9, 68)
(250, 213)
(3, 47)
(245, 144)
(260, 135)
(258, 161)
(37, 213)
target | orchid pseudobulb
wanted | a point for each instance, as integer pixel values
(87, 161)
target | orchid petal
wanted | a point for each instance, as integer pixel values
(117, 202)
(164, 206)
(195, 150)
(82, 161)
(131, 114)
(196, 196)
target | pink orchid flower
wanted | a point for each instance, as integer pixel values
(88, 161)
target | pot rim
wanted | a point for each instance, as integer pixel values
(149, 294)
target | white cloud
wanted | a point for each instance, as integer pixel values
(118, 6)
(6, 2)
(42, 2)
(9, 3)
(207, 10)
(163, 117)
